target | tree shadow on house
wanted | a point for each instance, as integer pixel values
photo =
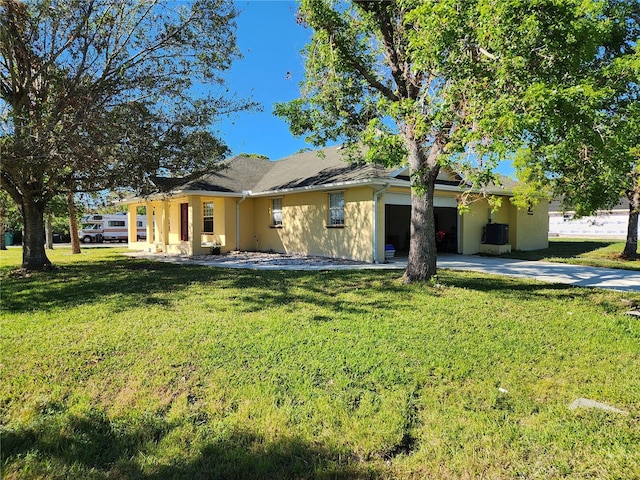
(91, 446)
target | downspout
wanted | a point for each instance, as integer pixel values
(376, 197)
(245, 194)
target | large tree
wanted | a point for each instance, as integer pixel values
(367, 83)
(440, 83)
(104, 93)
(582, 122)
(590, 167)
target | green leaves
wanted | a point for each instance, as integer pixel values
(581, 125)
(100, 94)
(103, 76)
(469, 83)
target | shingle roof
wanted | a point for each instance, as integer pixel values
(237, 175)
(309, 169)
(300, 170)
(306, 169)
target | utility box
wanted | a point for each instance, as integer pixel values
(497, 234)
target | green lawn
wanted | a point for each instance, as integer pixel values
(115, 368)
(595, 253)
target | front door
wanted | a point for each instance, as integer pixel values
(184, 222)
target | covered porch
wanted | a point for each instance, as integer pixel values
(187, 225)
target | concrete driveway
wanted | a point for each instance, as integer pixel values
(577, 275)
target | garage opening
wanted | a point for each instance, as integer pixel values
(447, 229)
(398, 227)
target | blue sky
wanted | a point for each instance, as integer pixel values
(271, 70)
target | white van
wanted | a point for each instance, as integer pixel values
(98, 228)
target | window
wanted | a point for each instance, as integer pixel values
(116, 223)
(276, 212)
(336, 209)
(207, 216)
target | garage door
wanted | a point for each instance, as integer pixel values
(405, 199)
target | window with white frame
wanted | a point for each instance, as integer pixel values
(336, 209)
(276, 212)
(207, 216)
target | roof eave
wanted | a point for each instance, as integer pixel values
(178, 193)
(320, 188)
(204, 193)
(393, 182)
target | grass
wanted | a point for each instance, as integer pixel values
(122, 368)
(595, 253)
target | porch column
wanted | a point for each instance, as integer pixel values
(150, 232)
(195, 224)
(132, 232)
(157, 222)
(164, 233)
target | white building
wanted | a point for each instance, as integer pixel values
(610, 224)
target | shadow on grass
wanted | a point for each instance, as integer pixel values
(561, 249)
(244, 455)
(262, 289)
(532, 290)
(92, 446)
(127, 283)
(502, 285)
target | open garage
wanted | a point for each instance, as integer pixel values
(398, 223)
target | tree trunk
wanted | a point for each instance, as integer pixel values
(421, 265)
(631, 247)
(48, 231)
(73, 224)
(34, 256)
(3, 222)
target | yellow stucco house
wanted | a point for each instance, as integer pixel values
(320, 205)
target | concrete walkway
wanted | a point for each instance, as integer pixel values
(576, 275)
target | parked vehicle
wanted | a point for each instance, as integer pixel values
(98, 228)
